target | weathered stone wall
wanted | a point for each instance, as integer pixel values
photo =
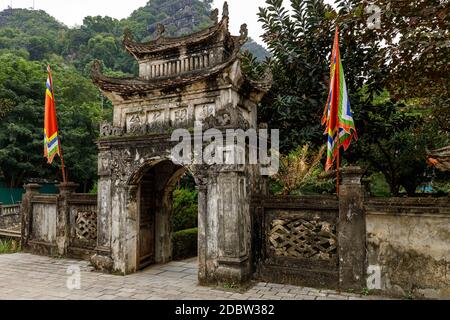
(39, 219)
(296, 240)
(44, 220)
(10, 217)
(225, 247)
(62, 225)
(398, 246)
(83, 225)
(408, 243)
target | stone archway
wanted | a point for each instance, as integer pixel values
(156, 182)
(224, 222)
(192, 82)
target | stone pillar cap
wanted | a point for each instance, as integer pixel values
(32, 187)
(352, 170)
(69, 186)
(352, 175)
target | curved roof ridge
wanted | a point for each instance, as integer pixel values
(163, 43)
(134, 85)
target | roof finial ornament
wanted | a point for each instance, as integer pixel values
(127, 35)
(225, 11)
(160, 30)
(96, 69)
(243, 34)
(215, 16)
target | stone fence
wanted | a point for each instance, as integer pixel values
(408, 246)
(399, 246)
(313, 240)
(295, 240)
(10, 217)
(59, 225)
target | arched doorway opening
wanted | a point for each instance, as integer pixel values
(156, 226)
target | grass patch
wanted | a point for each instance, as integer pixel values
(230, 286)
(365, 292)
(9, 246)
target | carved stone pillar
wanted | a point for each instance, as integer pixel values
(202, 234)
(63, 216)
(104, 204)
(102, 260)
(26, 208)
(352, 230)
(234, 228)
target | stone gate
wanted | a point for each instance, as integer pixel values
(395, 245)
(183, 82)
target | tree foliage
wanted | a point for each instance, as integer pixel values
(29, 40)
(388, 72)
(185, 209)
(297, 168)
(22, 88)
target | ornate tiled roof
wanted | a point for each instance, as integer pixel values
(210, 52)
(129, 86)
(163, 43)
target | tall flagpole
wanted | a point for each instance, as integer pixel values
(338, 165)
(63, 167)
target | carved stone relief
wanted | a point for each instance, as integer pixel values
(204, 111)
(228, 117)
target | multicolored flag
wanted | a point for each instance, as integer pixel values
(338, 118)
(51, 139)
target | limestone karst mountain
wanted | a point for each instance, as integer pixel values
(43, 36)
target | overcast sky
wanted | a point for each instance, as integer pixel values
(72, 12)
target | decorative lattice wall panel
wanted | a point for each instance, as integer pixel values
(83, 223)
(300, 238)
(86, 225)
(296, 240)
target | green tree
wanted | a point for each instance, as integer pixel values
(300, 43)
(396, 143)
(19, 134)
(22, 88)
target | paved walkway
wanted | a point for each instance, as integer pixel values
(29, 277)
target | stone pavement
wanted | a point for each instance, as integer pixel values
(29, 277)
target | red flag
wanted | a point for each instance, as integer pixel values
(51, 139)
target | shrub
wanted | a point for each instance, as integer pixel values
(378, 186)
(185, 209)
(185, 244)
(297, 169)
